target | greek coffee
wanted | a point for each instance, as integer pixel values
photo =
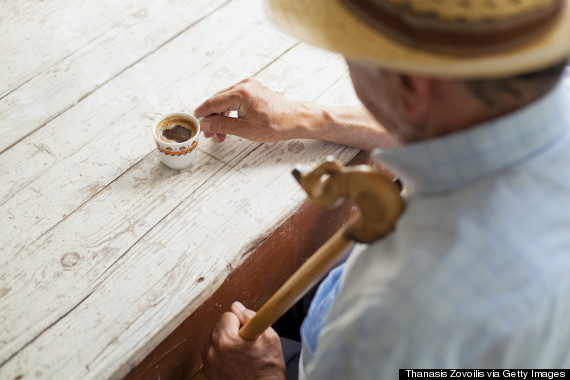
(176, 129)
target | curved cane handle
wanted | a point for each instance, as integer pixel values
(379, 202)
(377, 198)
(325, 193)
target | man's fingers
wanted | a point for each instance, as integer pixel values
(219, 136)
(242, 313)
(228, 322)
(228, 326)
(223, 125)
(220, 103)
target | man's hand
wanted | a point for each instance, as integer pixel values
(262, 115)
(228, 356)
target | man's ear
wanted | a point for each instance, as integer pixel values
(415, 97)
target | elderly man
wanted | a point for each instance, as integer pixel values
(475, 274)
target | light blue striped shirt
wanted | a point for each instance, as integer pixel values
(477, 271)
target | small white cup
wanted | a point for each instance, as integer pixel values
(177, 155)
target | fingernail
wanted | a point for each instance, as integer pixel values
(205, 126)
(238, 305)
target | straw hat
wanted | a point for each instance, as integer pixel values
(466, 39)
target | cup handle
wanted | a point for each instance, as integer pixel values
(200, 119)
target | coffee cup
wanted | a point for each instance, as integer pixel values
(176, 138)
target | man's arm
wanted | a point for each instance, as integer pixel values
(265, 116)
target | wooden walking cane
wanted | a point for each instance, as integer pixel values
(380, 204)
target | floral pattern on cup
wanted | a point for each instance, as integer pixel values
(181, 151)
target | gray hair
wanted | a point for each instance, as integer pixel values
(517, 90)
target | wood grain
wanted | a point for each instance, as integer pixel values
(104, 250)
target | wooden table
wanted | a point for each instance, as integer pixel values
(111, 264)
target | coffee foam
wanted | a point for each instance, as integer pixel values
(172, 122)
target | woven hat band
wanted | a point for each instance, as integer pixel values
(459, 36)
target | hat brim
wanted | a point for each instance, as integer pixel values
(330, 25)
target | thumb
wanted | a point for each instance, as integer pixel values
(243, 314)
(220, 124)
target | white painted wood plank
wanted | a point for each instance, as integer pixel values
(61, 184)
(70, 131)
(66, 258)
(182, 245)
(78, 177)
(79, 262)
(340, 93)
(272, 163)
(192, 242)
(62, 85)
(327, 68)
(53, 241)
(37, 34)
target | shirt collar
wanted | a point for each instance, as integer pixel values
(461, 158)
